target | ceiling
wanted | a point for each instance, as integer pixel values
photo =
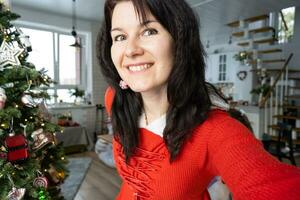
(214, 14)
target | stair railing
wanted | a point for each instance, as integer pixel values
(278, 89)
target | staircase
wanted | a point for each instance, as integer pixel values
(270, 66)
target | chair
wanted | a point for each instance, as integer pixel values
(284, 143)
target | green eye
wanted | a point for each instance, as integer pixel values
(119, 38)
(149, 32)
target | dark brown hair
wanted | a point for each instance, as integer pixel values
(187, 93)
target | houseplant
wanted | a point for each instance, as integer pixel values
(243, 57)
(78, 93)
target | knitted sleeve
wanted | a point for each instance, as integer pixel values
(108, 99)
(248, 170)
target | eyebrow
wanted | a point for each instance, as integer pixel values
(142, 24)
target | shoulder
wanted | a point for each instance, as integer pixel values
(221, 126)
(216, 118)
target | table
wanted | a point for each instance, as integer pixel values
(73, 136)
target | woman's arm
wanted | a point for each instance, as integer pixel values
(248, 170)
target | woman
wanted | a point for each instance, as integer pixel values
(169, 140)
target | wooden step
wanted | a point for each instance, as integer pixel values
(269, 51)
(277, 70)
(274, 138)
(273, 61)
(266, 51)
(276, 127)
(249, 20)
(291, 107)
(286, 117)
(293, 96)
(261, 41)
(254, 31)
(294, 87)
(293, 69)
(294, 78)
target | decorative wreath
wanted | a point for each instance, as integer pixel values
(242, 75)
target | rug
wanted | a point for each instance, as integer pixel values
(78, 168)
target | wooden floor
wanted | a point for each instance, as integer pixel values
(101, 182)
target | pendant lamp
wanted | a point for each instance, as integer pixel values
(73, 32)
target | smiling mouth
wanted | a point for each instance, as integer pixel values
(138, 68)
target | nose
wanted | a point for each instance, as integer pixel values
(133, 48)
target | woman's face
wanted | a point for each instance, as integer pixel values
(141, 53)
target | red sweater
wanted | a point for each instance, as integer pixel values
(220, 146)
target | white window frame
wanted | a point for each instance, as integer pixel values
(222, 76)
(83, 61)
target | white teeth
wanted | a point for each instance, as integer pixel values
(139, 67)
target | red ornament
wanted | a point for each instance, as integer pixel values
(3, 155)
(17, 148)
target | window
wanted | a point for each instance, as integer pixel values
(222, 68)
(285, 35)
(52, 51)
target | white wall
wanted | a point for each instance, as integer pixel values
(99, 84)
(219, 44)
(219, 41)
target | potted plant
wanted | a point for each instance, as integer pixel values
(78, 95)
(260, 91)
(244, 57)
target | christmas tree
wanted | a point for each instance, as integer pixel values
(32, 164)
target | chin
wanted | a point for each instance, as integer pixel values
(139, 89)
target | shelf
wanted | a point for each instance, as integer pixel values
(254, 31)
(249, 20)
(273, 61)
(269, 51)
(261, 41)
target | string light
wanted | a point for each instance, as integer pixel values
(17, 106)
